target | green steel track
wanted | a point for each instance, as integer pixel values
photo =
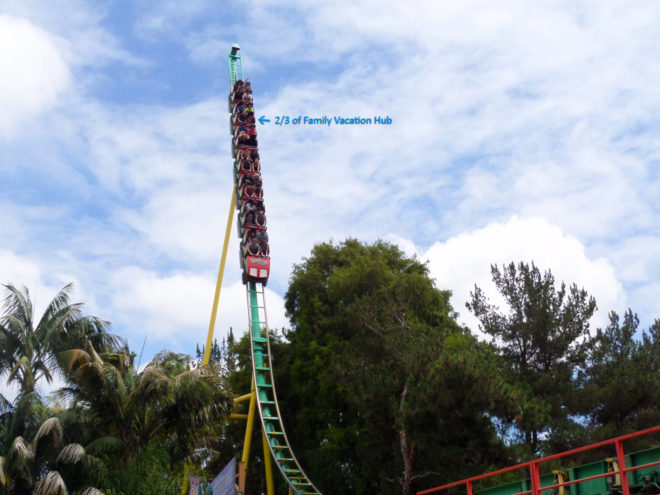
(269, 411)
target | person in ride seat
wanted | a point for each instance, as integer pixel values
(252, 247)
(244, 180)
(245, 164)
(243, 138)
(245, 189)
(242, 106)
(249, 219)
(251, 178)
(252, 190)
(255, 166)
(265, 250)
(245, 154)
(260, 219)
(252, 136)
(238, 89)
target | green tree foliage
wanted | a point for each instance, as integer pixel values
(542, 339)
(29, 347)
(379, 386)
(39, 465)
(114, 428)
(167, 402)
(221, 355)
(28, 356)
(621, 386)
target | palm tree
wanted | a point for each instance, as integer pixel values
(28, 351)
(164, 415)
(29, 348)
(28, 467)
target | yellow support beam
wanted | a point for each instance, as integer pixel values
(218, 286)
(238, 416)
(242, 467)
(249, 426)
(185, 486)
(243, 398)
(268, 465)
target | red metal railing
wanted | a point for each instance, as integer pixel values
(534, 475)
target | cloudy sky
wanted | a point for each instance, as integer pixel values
(520, 131)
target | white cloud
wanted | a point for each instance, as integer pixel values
(174, 311)
(22, 271)
(464, 260)
(535, 109)
(34, 73)
(79, 27)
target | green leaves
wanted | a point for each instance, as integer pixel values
(376, 368)
(121, 428)
(542, 338)
(30, 347)
(621, 385)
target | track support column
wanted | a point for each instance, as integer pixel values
(248, 439)
(268, 464)
(221, 273)
(625, 489)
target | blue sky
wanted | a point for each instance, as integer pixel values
(520, 131)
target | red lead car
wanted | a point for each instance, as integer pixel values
(257, 269)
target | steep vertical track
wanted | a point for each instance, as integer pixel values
(269, 411)
(262, 366)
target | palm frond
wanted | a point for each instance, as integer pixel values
(74, 358)
(90, 490)
(18, 304)
(96, 469)
(53, 323)
(52, 427)
(4, 475)
(5, 405)
(104, 445)
(22, 372)
(71, 454)
(20, 449)
(54, 311)
(51, 484)
(17, 328)
(94, 330)
(24, 404)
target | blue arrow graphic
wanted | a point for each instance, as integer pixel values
(263, 119)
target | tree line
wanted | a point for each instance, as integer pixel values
(380, 388)
(382, 391)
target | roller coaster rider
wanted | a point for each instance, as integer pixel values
(252, 220)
